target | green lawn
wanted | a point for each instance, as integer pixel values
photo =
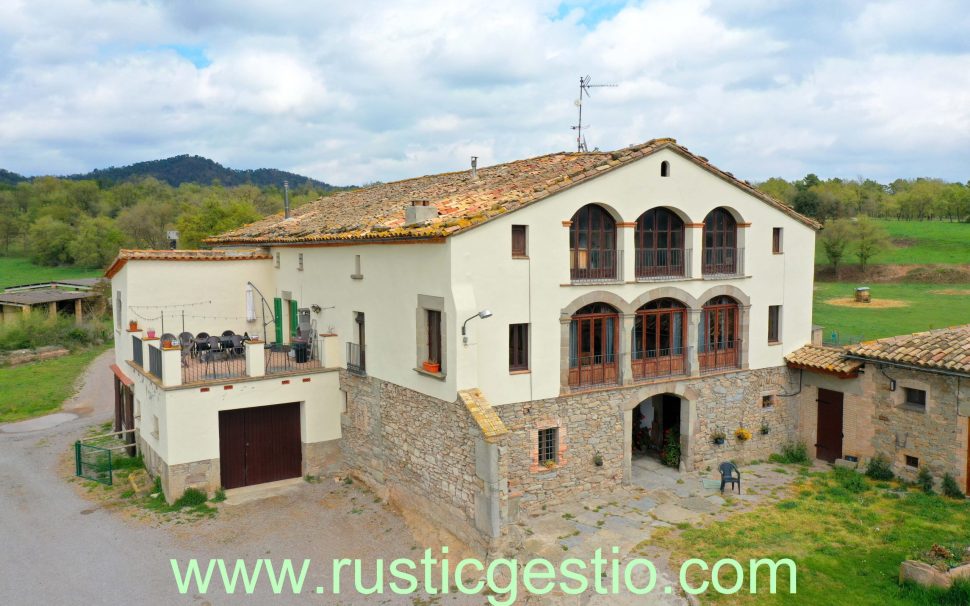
(920, 242)
(847, 539)
(19, 270)
(925, 310)
(37, 388)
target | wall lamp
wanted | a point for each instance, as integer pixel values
(482, 314)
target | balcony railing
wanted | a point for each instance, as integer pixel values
(721, 356)
(590, 266)
(658, 363)
(290, 358)
(155, 361)
(137, 351)
(212, 365)
(589, 371)
(723, 261)
(356, 363)
(662, 264)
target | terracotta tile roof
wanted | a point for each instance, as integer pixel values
(944, 349)
(235, 254)
(378, 212)
(823, 359)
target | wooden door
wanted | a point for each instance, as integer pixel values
(258, 445)
(829, 431)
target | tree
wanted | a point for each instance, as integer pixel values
(869, 239)
(836, 237)
(213, 217)
(50, 241)
(806, 202)
(96, 242)
(779, 189)
(145, 224)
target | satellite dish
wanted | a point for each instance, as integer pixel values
(577, 103)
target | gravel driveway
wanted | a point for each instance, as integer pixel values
(61, 548)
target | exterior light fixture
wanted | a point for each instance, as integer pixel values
(482, 314)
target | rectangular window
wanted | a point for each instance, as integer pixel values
(548, 445)
(915, 397)
(299, 262)
(434, 336)
(118, 309)
(912, 461)
(518, 347)
(276, 260)
(519, 242)
(776, 240)
(767, 401)
(774, 323)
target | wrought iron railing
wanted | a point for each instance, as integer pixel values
(723, 261)
(723, 355)
(212, 365)
(592, 370)
(155, 361)
(293, 357)
(356, 362)
(662, 264)
(656, 363)
(137, 351)
(595, 265)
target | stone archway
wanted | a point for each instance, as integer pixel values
(687, 414)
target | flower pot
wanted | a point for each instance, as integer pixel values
(151, 334)
(167, 343)
(432, 366)
(133, 326)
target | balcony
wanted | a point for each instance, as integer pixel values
(723, 262)
(595, 266)
(356, 363)
(725, 355)
(662, 264)
(658, 363)
(594, 371)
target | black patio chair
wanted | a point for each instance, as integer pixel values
(730, 475)
(237, 346)
(227, 333)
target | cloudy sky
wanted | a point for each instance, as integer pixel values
(351, 92)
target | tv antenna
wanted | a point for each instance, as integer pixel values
(584, 86)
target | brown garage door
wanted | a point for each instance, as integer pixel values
(261, 444)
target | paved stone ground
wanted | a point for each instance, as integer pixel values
(660, 497)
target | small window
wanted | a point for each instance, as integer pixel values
(774, 323)
(665, 169)
(118, 309)
(357, 275)
(299, 262)
(776, 240)
(767, 401)
(519, 244)
(518, 347)
(549, 446)
(276, 260)
(434, 336)
(915, 397)
(912, 462)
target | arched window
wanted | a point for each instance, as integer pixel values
(592, 244)
(665, 169)
(593, 351)
(720, 243)
(659, 339)
(660, 244)
(720, 341)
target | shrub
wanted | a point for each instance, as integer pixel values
(924, 480)
(879, 469)
(191, 498)
(220, 495)
(791, 453)
(38, 330)
(671, 452)
(850, 480)
(950, 487)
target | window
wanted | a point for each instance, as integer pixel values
(915, 397)
(720, 345)
(357, 275)
(720, 243)
(434, 336)
(276, 260)
(519, 243)
(299, 262)
(518, 347)
(118, 309)
(776, 240)
(659, 244)
(549, 446)
(593, 350)
(912, 462)
(665, 169)
(774, 323)
(592, 244)
(659, 339)
(767, 401)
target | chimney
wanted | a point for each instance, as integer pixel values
(475, 168)
(419, 212)
(286, 199)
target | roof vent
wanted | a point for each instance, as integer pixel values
(419, 212)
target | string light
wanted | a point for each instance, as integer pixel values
(179, 305)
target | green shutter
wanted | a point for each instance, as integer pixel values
(294, 318)
(278, 312)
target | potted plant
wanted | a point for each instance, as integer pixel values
(718, 436)
(598, 460)
(742, 434)
(765, 428)
(133, 325)
(431, 366)
(549, 463)
(151, 333)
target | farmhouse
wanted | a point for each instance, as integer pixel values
(475, 344)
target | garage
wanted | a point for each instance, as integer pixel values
(261, 444)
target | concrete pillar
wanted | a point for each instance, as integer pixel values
(627, 250)
(694, 242)
(330, 351)
(488, 519)
(172, 366)
(626, 348)
(693, 336)
(255, 359)
(77, 311)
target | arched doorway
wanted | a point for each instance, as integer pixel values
(594, 346)
(720, 339)
(656, 427)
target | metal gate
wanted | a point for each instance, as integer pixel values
(95, 461)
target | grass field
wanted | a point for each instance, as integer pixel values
(847, 536)
(37, 388)
(925, 309)
(19, 270)
(919, 242)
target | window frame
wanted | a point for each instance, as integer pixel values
(774, 322)
(647, 235)
(920, 404)
(520, 233)
(433, 334)
(777, 240)
(719, 241)
(548, 445)
(593, 245)
(519, 347)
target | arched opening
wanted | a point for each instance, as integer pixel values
(592, 245)
(660, 244)
(656, 429)
(720, 243)
(594, 346)
(659, 339)
(720, 339)
(665, 169)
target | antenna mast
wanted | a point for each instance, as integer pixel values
(584, 87)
